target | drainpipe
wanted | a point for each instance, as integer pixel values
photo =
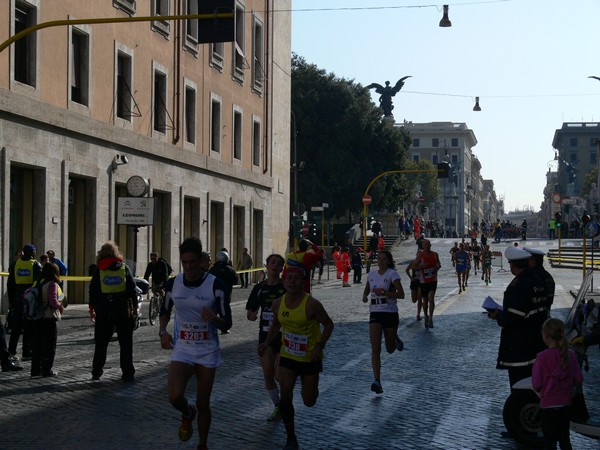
(177, 99)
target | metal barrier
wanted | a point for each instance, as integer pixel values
(496, 255)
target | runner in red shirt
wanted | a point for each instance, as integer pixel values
(429, 263)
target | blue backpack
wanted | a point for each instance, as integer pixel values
(33, 305)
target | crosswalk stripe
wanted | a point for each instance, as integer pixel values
(472, 412)
(368, 415)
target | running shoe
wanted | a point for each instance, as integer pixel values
(418, 317)
(291, 443)
(426, 321)
(186, 429)
(275, 415)
(399, 344)
(376, 387)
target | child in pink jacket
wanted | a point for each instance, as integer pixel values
(555, 375)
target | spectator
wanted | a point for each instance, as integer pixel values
(244, 263)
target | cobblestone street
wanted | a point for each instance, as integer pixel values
(441, 392)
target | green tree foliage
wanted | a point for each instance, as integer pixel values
(344, 143)
(588, 179)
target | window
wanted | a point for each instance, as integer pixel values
(415, 157)
(434, 159)
(573, 157)
(80, 66)
(191, 26)
(573, 142)
(239, 44)
(215, 125)
(593, 159)
(416, 142)
(160, 101)
(454, 142)
(454, 160)
(124, 95)
(161, 8)
(258, 73)
(190, 114)
(593, 142)
(237, 134)
(435, 142)
(126, 5)
(256, 142)
(217, 54)
(25, 56)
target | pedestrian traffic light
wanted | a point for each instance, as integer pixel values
(443, 170)
(557, 218)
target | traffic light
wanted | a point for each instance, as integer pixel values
(443, 170)
(313, 231)
(557, 218)
(455, 177)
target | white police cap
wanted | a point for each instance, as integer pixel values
(516, 253)
(534, 251)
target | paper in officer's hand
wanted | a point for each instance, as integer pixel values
(490, 304)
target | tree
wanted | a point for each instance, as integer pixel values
(343, 141)
(589, 178)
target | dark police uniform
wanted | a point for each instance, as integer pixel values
(525, 308)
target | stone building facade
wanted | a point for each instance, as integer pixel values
(85, 107)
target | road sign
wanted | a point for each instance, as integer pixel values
(305, 230)
(316, 208)
(556, 198)
(421, 199)
(367, 199)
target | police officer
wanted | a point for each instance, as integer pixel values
(23, 273)
(113, 304)
(536, 262)
(524, 309)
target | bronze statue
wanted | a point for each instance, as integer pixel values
(387, 92)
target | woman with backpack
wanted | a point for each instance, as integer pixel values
(44, 330)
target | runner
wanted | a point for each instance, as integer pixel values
(487, 265)
(429, 263)
(384, 288)
(201, 308)
(476, 251)
(262, 296)
(462, 261)
(414, 275)
(453, 251)
(298, 315)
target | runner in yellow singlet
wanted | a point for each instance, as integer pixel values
(299, 316)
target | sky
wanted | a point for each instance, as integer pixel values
(528, 61)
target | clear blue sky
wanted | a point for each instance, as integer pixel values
(527, 60)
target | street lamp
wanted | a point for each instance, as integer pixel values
(295, 168)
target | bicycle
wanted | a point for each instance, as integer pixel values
(154, 305)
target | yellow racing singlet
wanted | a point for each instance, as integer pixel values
(299, 335)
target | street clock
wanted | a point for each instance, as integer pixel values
(137, 186)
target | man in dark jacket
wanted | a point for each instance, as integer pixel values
(157, 267)
(22, 274)
(224, 272)
(113, 304)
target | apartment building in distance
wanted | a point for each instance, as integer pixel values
(104, 126)
(465, 197)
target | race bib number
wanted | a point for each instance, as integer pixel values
(194, 334)
(295, 344)
(268, 316)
